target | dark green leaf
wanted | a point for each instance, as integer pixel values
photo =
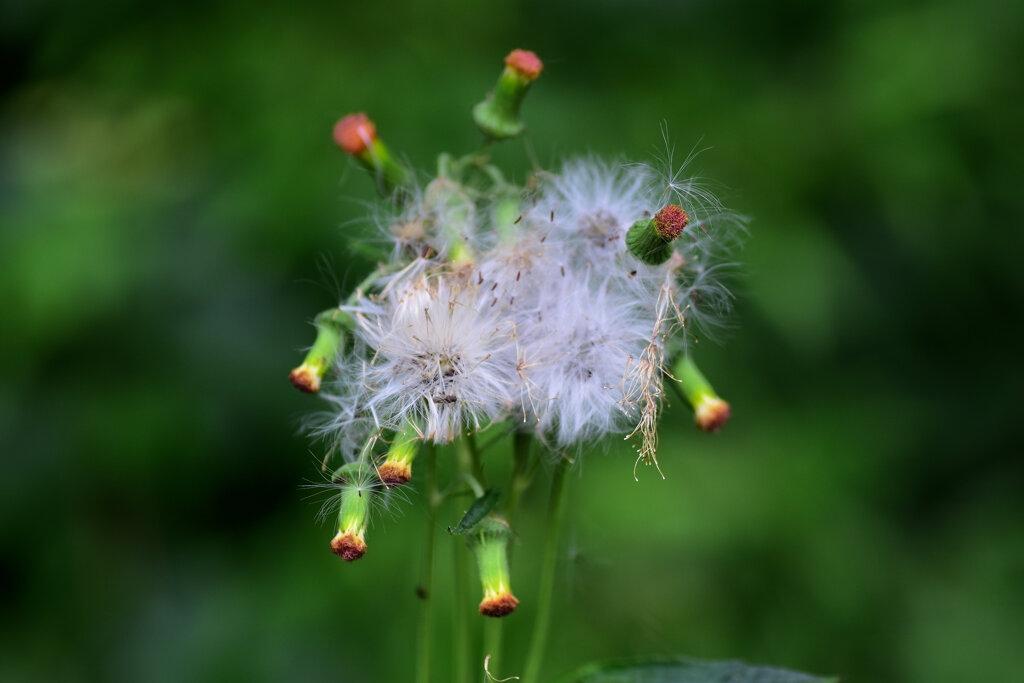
(476, 512)
(685, 670)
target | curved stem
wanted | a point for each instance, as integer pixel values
(426, 587)
(556, 510)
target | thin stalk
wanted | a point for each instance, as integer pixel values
(426, 588)
(475, 463)
(463, 613)
(521, 474)
(492, 642)
(556, 515)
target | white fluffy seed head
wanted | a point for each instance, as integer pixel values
(441, 356)
(531, 307)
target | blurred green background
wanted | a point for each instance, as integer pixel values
(174, 213)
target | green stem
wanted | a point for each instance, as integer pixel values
(463, 614)
(556, 514)
(463, 610)
(493, 631)
(521, 475)
(427, 586)
(474, 459)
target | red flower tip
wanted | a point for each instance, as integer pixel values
(348, 546)
(305, 379)
(670, 221)
(712, 414)
(355, 133)
(395, 474)
(499, 605)
(525, 63)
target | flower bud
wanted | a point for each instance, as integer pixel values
(711, 412)
(330, 337)
(357, 136)
(649, 240)
(489, 542)
(397, 466)
(350, 542)
(498, 115)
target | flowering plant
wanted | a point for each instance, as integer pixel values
(556, 313)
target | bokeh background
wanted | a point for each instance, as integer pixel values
(174, 213)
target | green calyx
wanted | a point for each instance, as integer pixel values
(355, 509)
(406, 444)
(695, 386)
(498, 115)
(647, 244)
(350, 542)
(489, 541)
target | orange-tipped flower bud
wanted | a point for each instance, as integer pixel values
(330, 338)
(306, 378)
(498, 115)
(355, 133)
(356, 497)
(525, 63)
(649, 239)
(710, 411)
(489, 541)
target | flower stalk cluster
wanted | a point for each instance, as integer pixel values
(557, 311)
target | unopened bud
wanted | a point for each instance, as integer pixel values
(650, 239)
(525, 63)
(357, 135)
(397, 466)
(498, 115)
(330, 337)
(350, 542)
(710, 411)
(489, 542)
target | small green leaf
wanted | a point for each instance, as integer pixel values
(476, 512)
(685, 670)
